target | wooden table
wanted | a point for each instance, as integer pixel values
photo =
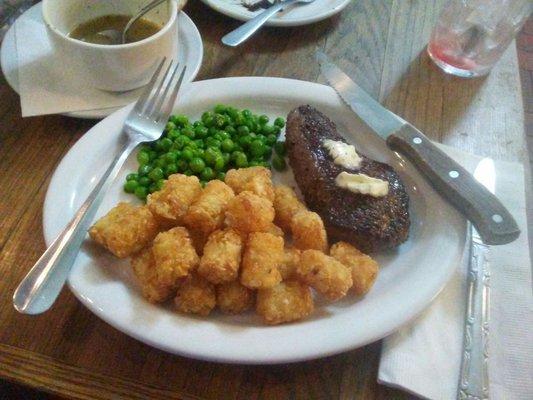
(70, 352)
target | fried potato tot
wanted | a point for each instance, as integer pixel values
(262, 257)
(248, 213)
(291, 259)
(363, 268)
(199, 240)
(170, 204)
(144, 268)
(206, 214)
(195, 296)
(325, 274)
(257, 180)
(288, 301)
(174, 255)
(222, 256)
(234, 298)
(275, 230)
(308, 232)
(286, 205)
(125, 229)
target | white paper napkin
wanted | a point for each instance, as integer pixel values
(45, 85)
(424, 357)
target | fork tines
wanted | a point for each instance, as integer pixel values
(158, 97)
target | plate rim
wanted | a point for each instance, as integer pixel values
(104, 112)
(339, 348)
(277, 21)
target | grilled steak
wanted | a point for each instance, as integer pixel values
(370, 223)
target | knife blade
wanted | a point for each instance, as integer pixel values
(493, 222)
(473, 378)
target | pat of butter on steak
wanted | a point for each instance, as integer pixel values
(369, 223)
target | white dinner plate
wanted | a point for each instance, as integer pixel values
(410, 277)
(299, 14)
(190, 53)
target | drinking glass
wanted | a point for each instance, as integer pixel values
(471, 35)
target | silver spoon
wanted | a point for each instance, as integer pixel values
(239, 35)
(119, 37)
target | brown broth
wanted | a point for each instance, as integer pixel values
(90, 31)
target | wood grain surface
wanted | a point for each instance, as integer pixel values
(71, 353)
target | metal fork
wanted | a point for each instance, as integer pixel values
(146, 122)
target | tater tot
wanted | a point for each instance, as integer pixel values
(275, 230)
(325, 274)
(206, 214)
(308, 232)
(291, 259)
(198, 239)
(262, 257)
(125, 229)
(222, 256)
(286, 204)
(234, 298)
(174, 255)
(257, 180)
(248, 213)
(195, 296)
(288, 301)
(144, 267)
(363, 268)
(170, 204)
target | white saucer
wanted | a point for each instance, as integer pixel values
(293, 16)
(190, 53)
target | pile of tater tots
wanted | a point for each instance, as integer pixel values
(236, 245)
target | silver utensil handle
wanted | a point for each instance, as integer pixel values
(41, 286)
(474, 380)
(243, 32)
(490, 217)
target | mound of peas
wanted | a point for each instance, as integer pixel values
(222, 139)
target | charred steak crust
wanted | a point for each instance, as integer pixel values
(370, 223)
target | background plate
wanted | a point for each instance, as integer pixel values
(410, 276)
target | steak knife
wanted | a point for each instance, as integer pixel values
(491, 219)
(473, 378)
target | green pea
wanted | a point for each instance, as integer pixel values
(197, 165)
(130, 186)
(246, 114)
(276, 130)
(263, 119)
(189, 132)
(200, 144)
(237, 147)
(152, 188)
(170, 126)
(160, 163)
(210, 155)
(179, 142)
(144, 169)
(234, 155)
(279, 163)
(141, 192)
(239, 119)
(279, 122)
(230, 130)
(201, 132)
(187, 154)
(207, 119)
(156, 174)
(245, 141)
(221, 176)
(143, 157)
(172, 135)
(171, 169)
(182, 165)
(207, 174)
(224, 135)
(257, 148)
(219, 163)
(199, 153)
(165, 144)
(267, 130)
(152, 154)
(215, 143)
(220, 109)
(243, 130)
(132, 177)
(271, 139)
(268, 152)
(171, 157)
(144, 181)
(227, 145)
(280, 149)
(254, 163)
(220, 120)
(180, 120)
(188, 172)
(212, 131)
(159, 184)
(241, 161)
(217, 136)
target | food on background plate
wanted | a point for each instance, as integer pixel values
(362, 202)
(248, 260)
(223, 139)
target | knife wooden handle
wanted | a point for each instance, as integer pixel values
(491, 219)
